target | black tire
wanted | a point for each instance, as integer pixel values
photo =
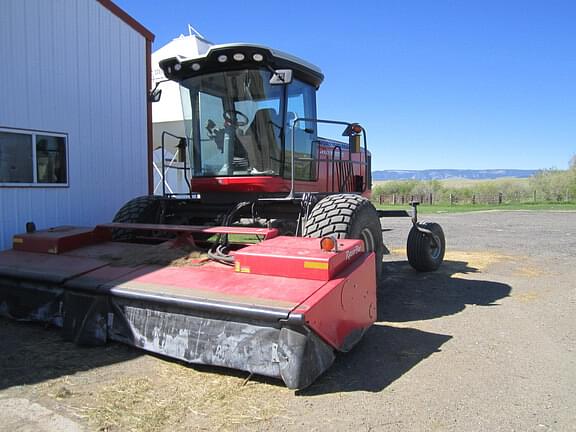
(423, 254)
(348, 216)
(144, 209)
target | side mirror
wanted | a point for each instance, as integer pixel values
(281, 76)
(155, 95)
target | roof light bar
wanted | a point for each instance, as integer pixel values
(239, 56)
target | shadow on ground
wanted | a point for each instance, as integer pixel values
(407, 295)
(384, 355)
(387, 352)
(32, 353)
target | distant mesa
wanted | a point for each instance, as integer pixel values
(442, 174)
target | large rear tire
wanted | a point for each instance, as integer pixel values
(423, 253)
(348, 216)
(144, 209)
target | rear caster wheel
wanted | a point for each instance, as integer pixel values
(424, 252)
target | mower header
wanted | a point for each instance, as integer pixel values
(280, 310)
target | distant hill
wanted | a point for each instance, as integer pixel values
(441, 174)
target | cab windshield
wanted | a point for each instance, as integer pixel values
(233, 123)
(238, 124)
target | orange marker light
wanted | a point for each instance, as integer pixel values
(356, 128)
(328, 244)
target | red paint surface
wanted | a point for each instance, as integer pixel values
(343, 305)
(96, 279)
(55, 240)
(326, 180)
(223, 283)
(267, 233)
(43, 266)
(296, 257)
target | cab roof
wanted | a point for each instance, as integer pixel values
(237, 56)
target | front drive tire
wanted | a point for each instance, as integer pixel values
(423, 254)
(348, 216)
(144, 209)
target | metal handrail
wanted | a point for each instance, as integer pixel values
(184, 168)
(335, 122)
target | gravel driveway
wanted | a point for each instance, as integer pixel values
(485, 344)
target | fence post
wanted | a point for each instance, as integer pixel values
(473, 199)
(451, 199)
(534, 196)
(499, 198)
(431, 198)
(393, 199)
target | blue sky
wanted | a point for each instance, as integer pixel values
(437, 83)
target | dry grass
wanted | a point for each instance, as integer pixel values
(480, 261)
(477, 260)
(164, 254)
(168, 396)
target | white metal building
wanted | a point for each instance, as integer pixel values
(75, 123)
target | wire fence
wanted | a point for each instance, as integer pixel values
(452, 198)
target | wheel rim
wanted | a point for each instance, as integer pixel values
(368, 239)
(435, 250)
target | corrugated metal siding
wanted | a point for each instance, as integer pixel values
(72, 66)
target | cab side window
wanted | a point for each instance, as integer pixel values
(301, 104)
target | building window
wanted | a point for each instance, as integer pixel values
(29, 158)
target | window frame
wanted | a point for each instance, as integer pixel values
(33, 133)
(308, 94)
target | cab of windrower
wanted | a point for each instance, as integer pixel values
(241, 105)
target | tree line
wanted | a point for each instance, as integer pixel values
(550, 185)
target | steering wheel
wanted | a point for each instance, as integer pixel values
(235, 118)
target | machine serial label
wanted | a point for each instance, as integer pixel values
(17, 240)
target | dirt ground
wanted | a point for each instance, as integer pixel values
(486, 344)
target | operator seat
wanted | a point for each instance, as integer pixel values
(261, 140)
